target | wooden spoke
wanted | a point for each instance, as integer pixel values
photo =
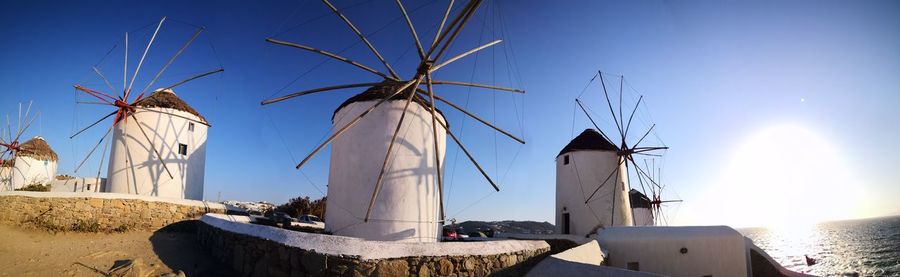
(125, 70)
(592, 120)
(171, 60)
(362, 37)
(92, 124)
(644, 136)
(476, 118)
(460, 56)
(195, 77)
(621, 118)
(618, 126)
(172, 114)
(141, 62)
(628, 126)
(466, 15)
(441, 26)
(95, 148)
(331, 55)
(92, 103)
(96, 94)
(412, 29)
(615, 171)
(439, 82)
(437, 152)
(311, 91)
(472, 159)
(102, 159)
(152, 146)
(341, 131)
(27, 125)
(387, 156)
(641, 171)
(97, 70)
(639, 150)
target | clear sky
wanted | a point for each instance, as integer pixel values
(773, 110)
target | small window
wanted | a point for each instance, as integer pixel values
(191, 126)
(566, 159)
(182, 149)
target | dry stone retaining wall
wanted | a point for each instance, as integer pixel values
(256, 256)
(103, 211)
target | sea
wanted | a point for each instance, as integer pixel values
(862, 247)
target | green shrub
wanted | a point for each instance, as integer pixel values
(90, 225)
(35, 187)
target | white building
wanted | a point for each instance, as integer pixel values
(581, 167)
(34, 164)
(77, 184)
(407, 207)
(179, 134)
(641, 209)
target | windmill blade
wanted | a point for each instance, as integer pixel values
(171, 60)
(172, 114)
(641, 181)
(412, 29)
(642, 150)
(92, 103)
(195, 78)
(311, 91)
(437, 152)
(460, 56)
(102, 159)
(333, 56)
(92, 124)
(644, 136)
(465, 19)
(362, 37)
(621, 118)
(97, 70)
(586, 113)
(341, 131)
(628, 126)
(141, 62)
(615, 171)
(646, 154)
(125, 70)
(94, 148)
(97, 94)
(152, 146)
(441, 26)
(641, 171)
(476, 117)
(387, 157)
(611, 111)
(456, 83)
(469, 155)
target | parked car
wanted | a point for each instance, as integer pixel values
(309, 220)
(449, 234)
(283, 218)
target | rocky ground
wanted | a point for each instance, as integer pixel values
(31, 252)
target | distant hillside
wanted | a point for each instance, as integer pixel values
(509, 226)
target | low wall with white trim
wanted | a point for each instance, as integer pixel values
(62, 211)
(269, 251)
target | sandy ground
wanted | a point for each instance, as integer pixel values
(28, 252)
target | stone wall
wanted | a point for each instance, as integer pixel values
(97, 211)
(257, 256)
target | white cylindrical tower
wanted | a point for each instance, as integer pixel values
(35, 164)
(177, 131)
(581, 167)
(641, 208)
(407, 207)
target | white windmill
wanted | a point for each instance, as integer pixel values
(32, 162)
(592, 174)
(158, 140)
(386, 171)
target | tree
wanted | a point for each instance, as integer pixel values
(302, 205)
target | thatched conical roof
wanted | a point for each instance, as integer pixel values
(590, 139)
(168, 100)
(638, 199)
(381, 91)
(38, 149)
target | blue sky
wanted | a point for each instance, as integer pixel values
(714, 74)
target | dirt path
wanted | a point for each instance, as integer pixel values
(26, 252)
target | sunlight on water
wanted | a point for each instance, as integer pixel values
(867, 247)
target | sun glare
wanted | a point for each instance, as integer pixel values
(785, 177)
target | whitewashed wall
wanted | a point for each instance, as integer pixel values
(407, 207)
(575, 181)
(643, 217)
(78, 184)
(29, 171)
(135, 169)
